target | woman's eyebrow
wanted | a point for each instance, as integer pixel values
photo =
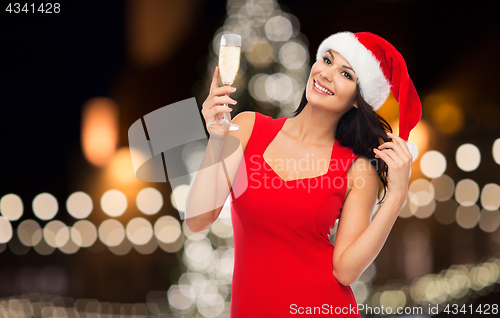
(329, 51)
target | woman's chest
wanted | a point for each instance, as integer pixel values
(291, 161)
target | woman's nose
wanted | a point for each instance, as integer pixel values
(324, 75)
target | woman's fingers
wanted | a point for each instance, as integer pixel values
(217, 102)
(384, 156)
(224, 100)
(402, 143)
(397, 149)
(223, 90)
(394, 156)
(393, 147)
(218, 109)
(215, 80)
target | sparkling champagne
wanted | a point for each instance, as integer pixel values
(229, 64)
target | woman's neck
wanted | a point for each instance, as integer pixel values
(312, 127)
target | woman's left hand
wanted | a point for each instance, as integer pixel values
(398, 159)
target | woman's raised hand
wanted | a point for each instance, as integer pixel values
(214, 105)
(398, 158)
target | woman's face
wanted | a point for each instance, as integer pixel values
(335, 74)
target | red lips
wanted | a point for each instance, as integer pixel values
(319, 91)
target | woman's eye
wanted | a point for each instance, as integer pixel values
(327, 60)
(348, 75)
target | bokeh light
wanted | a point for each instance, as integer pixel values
(490, 196)
(29, 232)
(99, 134)
(448, 118)
(423, 192)
(79, 205)
(489, 220)
(206, 293)
(433, 164)
(84, 233)
(56, 233)
(181, 297)
(120, 170)
(496, 151)
(111, 232)
(257, 87)
(5, 230)
(260, 54)
(420, 135)
(409, 208)
(467, 192)
(468, 216)
(114, 202)
(178, 197)
(45, 206)
(278, 28)
(139, 231)
(444, 187)
(167, 229)
(123, 248)
(425, 211)
(148, 248)
(293, 55)
(11, 207)
(222, 228)
(279, 86)
(149, 201)
(468, 157)
(70, 247)
(43, 248)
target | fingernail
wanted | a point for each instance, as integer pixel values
(233, 89)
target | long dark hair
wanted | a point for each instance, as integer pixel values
(361, 129)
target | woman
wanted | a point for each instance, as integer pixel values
(282, 214)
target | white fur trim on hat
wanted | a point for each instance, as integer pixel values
(413, 149)
(373, 85)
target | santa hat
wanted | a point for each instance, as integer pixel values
(380, 69)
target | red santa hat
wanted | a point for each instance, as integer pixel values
(380, 69)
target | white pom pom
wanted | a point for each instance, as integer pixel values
(413, 149)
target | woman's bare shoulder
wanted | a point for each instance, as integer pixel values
(246, 121)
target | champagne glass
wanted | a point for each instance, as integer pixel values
(229, 64)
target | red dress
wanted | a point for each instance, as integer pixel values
(283, 257)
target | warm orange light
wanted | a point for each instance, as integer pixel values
(99, 134)
(444, 111)
(155, 29)
(120, 170)
(448, 118)
(389, 109)
(420, 135)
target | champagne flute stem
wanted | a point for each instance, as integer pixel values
(224, 115)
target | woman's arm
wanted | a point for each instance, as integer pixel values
(359, 241)
(212, 182)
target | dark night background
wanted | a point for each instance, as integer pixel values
(50, 66)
